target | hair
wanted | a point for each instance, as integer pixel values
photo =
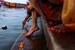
(44, 0)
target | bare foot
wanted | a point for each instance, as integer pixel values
(31, 31)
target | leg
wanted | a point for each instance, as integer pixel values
(36, 6)
(42, 8)
(34, 26)
(68, 13)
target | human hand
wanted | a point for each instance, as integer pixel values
(23, 23)
(22, 27)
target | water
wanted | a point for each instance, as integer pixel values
(12, 18)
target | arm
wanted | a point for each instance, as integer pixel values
(26, 18)
(24, 21)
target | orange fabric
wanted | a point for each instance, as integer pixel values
(68, 13)
(22, 44)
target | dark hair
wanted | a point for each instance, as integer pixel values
(44, 0)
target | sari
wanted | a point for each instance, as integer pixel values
(68, 13)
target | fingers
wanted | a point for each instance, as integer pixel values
(22, 28)
(23, 25)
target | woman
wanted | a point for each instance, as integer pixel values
(68, 18)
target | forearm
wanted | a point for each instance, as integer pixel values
(26, 18)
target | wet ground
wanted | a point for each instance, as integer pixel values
(12, 18)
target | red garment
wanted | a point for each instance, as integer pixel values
(53, 12)
(62, 1)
